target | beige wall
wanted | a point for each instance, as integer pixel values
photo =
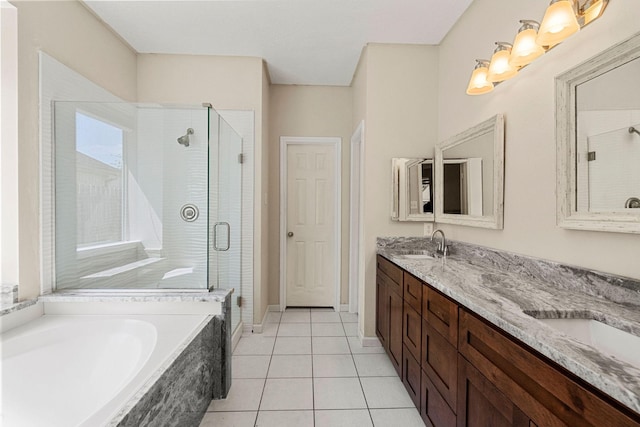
(400, 108)
(528, 104)
(307, 111)
(229, 83)
(72, 35)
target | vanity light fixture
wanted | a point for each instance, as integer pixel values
(561, 19)
(525, 49)
(499, 68)
(478, 84)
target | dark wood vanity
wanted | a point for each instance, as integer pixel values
(462, 371)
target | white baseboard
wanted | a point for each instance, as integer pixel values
(237, 334)
(344, 307)
(369, 341)
(257, 328)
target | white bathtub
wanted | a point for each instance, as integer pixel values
(81, 370)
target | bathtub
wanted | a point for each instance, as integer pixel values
(82, 370)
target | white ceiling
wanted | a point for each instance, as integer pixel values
(307, 42)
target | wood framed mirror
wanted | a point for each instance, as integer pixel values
(598, 142)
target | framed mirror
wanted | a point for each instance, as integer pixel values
(598, 142)
(470, 176)
(412, 192)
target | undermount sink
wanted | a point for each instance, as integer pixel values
(417, 254)
(606, 339)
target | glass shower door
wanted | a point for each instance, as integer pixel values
(225, 184)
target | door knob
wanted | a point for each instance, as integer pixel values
(290, 234)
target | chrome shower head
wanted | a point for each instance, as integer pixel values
(184, 139)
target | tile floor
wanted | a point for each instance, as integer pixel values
(307, 368)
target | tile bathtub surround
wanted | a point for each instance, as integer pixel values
(507, 290)
(321, 381)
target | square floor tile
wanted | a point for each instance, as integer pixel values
(333, 366)
(344, 418)
(296, 316)
(386, 392)
(322, 309)
(374, 365)
(409, 417)
(349, 317)
(290, 367)
(271, 329)
(229, 419)
(292, 345)
(325, 317)
(273, 317)
(357, 348)
(285, 419)
(294, 330)
(249, 366)
(338, 393)
(285, 394)
(330, 345)
(254, 345)
(350, 329)
(327, 330)
(244, 396)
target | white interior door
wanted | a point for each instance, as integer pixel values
(312, 195)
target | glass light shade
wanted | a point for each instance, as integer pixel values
(559, 22)
(499, 68)
(478, 83)
(525, 49)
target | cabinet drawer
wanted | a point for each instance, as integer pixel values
(440, 362)
(412, 330)
(411, 374)
(547, 395)
(390, 269)
(413, 292)
(441, 313)
(433, 408)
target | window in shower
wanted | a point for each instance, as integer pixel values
(100, 182)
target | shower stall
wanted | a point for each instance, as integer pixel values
(147, 198)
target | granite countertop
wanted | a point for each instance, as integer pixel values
(503, 288)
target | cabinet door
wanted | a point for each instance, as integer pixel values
(382, 312)
(392, 274)
(440, 362)
(411, 376)
(433, 408)
(481, 404)
(412, 330)
(395, 330)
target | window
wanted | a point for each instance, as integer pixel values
(99, 182)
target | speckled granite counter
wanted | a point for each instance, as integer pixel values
(503, 288)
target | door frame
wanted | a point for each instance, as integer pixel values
(285, 142)
(356, 222)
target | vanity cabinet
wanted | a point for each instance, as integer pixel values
(528, 383)
(460, 370)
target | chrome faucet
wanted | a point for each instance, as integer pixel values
(442, 248)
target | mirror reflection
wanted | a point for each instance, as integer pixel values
(608, 141)
(470, 176)
(412, 189)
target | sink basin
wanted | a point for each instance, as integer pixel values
(417, 254)
(607, 339)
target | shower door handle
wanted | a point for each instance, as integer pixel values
(215, 236)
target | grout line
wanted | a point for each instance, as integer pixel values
(313, 376)
(264, 385)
